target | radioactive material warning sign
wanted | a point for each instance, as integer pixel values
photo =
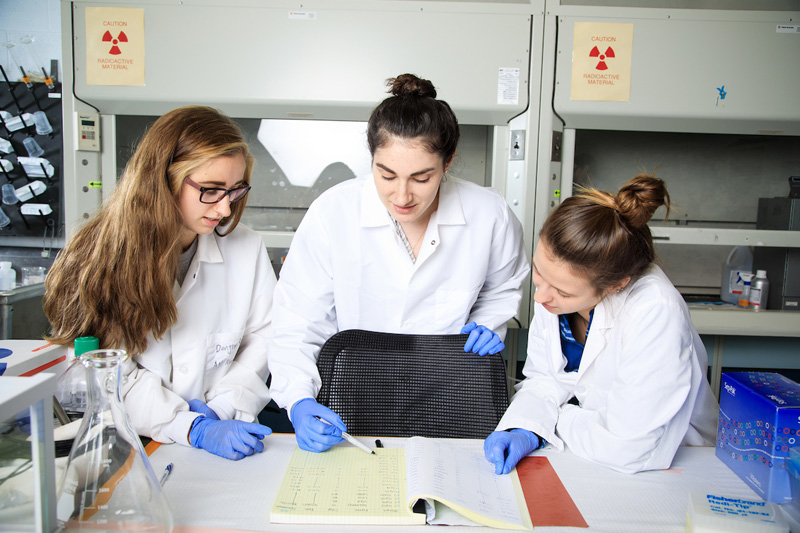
(114, 46)
(601, 61)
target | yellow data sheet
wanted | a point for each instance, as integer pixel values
(344, 485)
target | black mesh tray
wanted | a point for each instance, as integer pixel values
(385, 384)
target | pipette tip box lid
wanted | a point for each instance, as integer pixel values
(711, 513)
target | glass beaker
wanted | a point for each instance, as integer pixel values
(108, 484)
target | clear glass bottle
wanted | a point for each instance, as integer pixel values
(109, 484)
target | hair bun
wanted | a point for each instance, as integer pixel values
(411, 85)
(638, 199)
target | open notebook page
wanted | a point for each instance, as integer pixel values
(464, 480)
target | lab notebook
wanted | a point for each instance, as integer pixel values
(344, 485)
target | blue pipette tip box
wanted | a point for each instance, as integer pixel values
(759, 423)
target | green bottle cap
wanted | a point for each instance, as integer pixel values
(86, 344)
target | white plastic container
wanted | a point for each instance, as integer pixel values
(34, 188)
(18, 122)
(744, 298)
(8, 276)
(35, 209)
(33, 167)
(5, 146)
(739, 260)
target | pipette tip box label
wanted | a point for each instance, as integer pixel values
(713, 513)
(759, 422)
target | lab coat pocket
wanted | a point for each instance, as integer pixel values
(453, 307)
(221, 349)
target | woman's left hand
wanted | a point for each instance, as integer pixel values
(482, 340)
(199, 406)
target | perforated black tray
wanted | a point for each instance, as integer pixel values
(405, 385)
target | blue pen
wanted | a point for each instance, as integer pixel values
(166, 473)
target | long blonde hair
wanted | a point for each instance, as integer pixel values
(114, 278)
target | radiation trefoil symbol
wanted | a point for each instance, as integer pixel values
(601, 65)
(122, 38)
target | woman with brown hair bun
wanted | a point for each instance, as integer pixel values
(165, 271)
(403, 250)
(615, 371)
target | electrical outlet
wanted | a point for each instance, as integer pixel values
(517, 151)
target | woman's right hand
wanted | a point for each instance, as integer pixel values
(316, 427)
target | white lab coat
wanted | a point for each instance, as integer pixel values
(348, 269)
(217, 350)
(641, 383)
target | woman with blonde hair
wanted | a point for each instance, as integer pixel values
(165, 271)
(615, 371)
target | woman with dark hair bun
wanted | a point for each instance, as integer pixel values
(615, 371)
(405, 250)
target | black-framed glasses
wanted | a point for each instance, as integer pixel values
(212, 195)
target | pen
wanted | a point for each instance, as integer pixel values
(165, 475)
(351, 439)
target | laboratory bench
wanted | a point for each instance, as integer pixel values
(207, 492)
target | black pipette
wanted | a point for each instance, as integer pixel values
(24, 220)
(11, 91)
(48, 80)
(29, 85)
(3, 122)
(5, 172)
(45, 171)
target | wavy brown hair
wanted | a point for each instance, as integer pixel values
(114, 278)
(604, 237)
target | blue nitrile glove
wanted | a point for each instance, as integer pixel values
(199, 406)
(314, 435)
(231, 439)
(506, 448)
(482, 340)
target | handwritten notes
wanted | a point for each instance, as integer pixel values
(465, 482)
(344, 486)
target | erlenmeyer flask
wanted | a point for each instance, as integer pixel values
(108, 484)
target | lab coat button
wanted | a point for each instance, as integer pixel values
(580, 390)
(184, 370)
(433, 243)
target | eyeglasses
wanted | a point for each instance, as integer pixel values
(212, 195)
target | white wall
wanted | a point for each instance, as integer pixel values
(38, 18)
